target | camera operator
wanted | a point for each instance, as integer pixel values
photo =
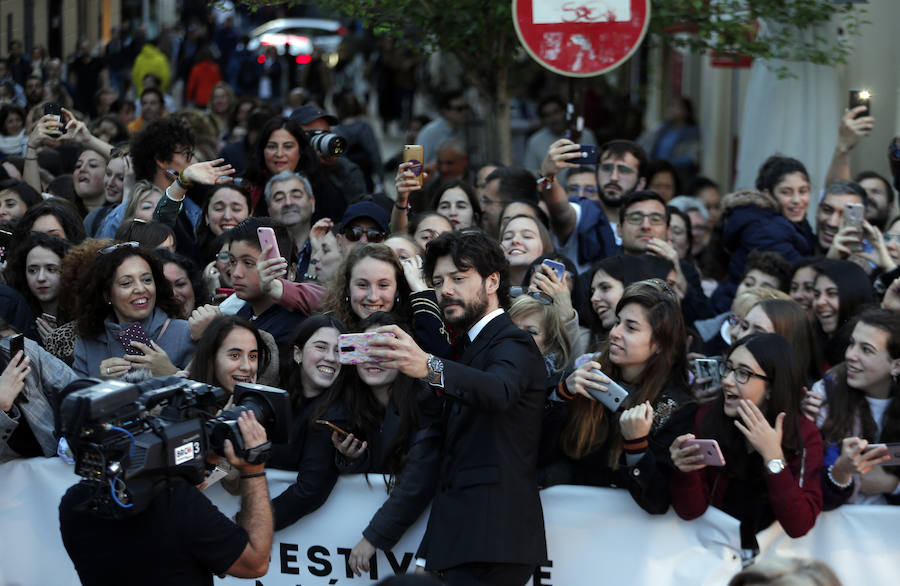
(181, 538)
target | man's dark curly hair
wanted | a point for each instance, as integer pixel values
(93, 301)
(470, 248)
(157, 142)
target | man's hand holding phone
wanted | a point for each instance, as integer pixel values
(855, 124)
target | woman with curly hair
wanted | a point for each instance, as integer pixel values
(126, 284)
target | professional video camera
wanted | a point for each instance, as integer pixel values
(130, 440)
(327, 144)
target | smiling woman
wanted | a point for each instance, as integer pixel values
(841, 288)
(126, 284)
(231, 351)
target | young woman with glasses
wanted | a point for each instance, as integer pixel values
(773, 453)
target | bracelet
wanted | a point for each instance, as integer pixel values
(835, 482)
(406, 207)
(545, 181)
(563, 391)
(257, 475)
(30, 158)
(182, 181)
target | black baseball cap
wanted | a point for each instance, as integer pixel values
(306, 114)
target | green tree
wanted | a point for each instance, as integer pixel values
(481, 36)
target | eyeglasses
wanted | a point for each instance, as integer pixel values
(623, 169)
(735, 321)
(579, 189)
(117, 152)
(223, 256)
(372, 235)
(637, 218)
(888, 236)
(188, 154)
(114, 247)
(741, 374)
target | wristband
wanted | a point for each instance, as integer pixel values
(406, 207)
(30, 158)
(563, 391)
(545, 181)
(835, 482)
(182, 181)
(636, 445)
(257, 475)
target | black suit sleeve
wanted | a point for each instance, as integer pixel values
(414, 490)
(315, 480)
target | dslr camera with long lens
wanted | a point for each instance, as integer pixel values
(130, 440)
(327, 144)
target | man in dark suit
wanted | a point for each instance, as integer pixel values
(486, 524)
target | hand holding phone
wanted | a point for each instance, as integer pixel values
(415, 154)
(708, 450)
(613, 398)
(893, 452)
(588, 155)
(16, 344)
(861, 98)
(134, 333)
(557, 267)
(341, 433)
(266, 237)
(53, 109)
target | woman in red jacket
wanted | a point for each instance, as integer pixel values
(773, 453)
(203, 78)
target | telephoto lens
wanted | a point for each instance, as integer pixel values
(327, 144)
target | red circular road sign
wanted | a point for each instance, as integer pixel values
(581, 38)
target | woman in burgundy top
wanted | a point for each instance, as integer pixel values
(773, 453)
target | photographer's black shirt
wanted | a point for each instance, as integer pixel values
(182, 538)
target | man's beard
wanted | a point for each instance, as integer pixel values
(614, 200)
(472, 311)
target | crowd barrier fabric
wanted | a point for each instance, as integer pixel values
(594, 535)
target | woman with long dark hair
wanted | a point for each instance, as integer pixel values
(862, 407)
(313, 370)
(841, 289)
(230, 351)
(395, 431)
(773, 453)
(647, 355)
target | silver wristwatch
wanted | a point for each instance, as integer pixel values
(775, 466)
(435, 369)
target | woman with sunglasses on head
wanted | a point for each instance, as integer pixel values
(773, 453)
(313, 370)
(862, 407)
(395, 430)
(126, 284)
(646, 355)
(370, 280)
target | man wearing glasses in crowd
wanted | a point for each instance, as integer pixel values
(585, 229)
(364, 222)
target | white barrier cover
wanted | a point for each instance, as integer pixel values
(594, 536)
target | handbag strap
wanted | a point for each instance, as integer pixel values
(163, 330)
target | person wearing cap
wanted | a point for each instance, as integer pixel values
(341, 172)
(364, 222)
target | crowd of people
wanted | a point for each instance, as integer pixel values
(724, 316)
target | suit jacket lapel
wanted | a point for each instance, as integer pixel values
(484, 337)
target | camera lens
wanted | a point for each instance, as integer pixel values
(327, 144)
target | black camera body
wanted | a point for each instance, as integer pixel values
(130, 440)
(327, 144)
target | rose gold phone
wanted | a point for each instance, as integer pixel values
(709, 449)
(415, 154)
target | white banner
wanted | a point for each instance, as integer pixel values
(591, 532)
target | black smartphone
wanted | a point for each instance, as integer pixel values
(588, 155)
(54, 109)
(861, 98)
(16, 344)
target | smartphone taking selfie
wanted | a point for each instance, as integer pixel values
(709, 449)
(266, 237)
(355, 349)
(861, 98)
(415, 154)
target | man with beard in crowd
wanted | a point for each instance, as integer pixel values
(585, 229)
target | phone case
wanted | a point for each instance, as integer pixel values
(589, 155)
(558, 268)
(16, 344)
(708, 367)
(332, 426)
(709, 449)
(354, 348)
(266, 237)
(136, 333)
(893, 452)
(613, 398)
(415, 154)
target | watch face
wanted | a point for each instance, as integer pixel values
(775, 466)
(436, 364)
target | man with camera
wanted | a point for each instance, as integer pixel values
(181, 538)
